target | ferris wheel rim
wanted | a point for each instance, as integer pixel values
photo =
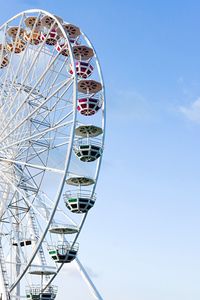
(62, 182)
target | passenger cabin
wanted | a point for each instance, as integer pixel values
(63, 253)
(83, 69)
(36, 293)
(80, 202)
(88, 152)
(88, 106)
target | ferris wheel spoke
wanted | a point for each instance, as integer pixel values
(37, 136)
(46, 113)
(39, 152)
(43, 168)
(68, 83)
(41, 105)
(61, 109)
(48, 76)
(40, 202)
(35, 85)
(48, 84)
(23, 61)
(23, 195)
(60, 145)
(47, 54)
(21, 64)
(12, 54)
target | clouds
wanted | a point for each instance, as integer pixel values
(192, 111)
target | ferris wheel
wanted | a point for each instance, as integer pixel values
(52, 126)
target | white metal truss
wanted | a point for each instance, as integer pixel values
(39, 94)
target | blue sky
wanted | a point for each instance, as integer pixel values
(141, 240)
